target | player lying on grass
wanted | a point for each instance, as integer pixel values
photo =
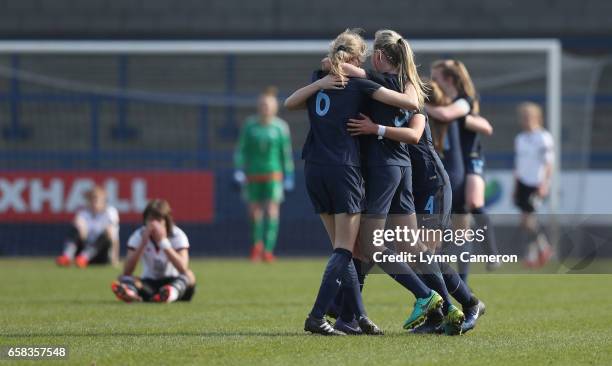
(334, 181)
(94, 233)
(264, 166)
(164, 251)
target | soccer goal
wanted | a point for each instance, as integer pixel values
(168, 103)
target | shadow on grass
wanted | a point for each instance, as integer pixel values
(47, 301)
(157, 334)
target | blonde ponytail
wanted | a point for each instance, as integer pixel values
(435, 96)
(409, 73)
(346, 47)
(398, 52)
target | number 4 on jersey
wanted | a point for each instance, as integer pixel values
(429, 206)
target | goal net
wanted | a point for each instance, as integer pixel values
(176, 106)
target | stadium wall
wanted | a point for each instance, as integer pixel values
(130, 19)
(216, 221)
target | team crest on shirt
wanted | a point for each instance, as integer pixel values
(400, 121)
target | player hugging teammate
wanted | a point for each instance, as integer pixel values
(461, 148)
(163, 249)
(337, 164)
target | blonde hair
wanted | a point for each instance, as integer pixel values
(399, 54)
(270, 91)
(531, 107)
(346, 47)
(462, 81)
(95, 191)
(436, 97)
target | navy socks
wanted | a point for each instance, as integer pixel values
(351, 291)
(336, 269)
(404, 275)
(456, 286)
(432, 276)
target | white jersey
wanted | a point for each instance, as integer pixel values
(97, 223)
(533, 150)
(154, 261)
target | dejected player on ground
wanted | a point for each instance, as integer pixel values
(163, 249)
(94, 233)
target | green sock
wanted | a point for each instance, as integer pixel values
(271, 234)
(257, 230)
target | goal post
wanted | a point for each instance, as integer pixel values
(550, 48)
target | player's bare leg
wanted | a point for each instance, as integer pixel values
(539, 249)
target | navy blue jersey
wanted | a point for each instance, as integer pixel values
(470, 140)
(378, 151)
(426, 165)
(328, 140)
(452, 156)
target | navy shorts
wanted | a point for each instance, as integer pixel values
(389, 190)
(474, 165)
(457, 183)
(433, 203)
(334, 189)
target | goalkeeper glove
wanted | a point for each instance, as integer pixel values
(289, 182)
(239, 177)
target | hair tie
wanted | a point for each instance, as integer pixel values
(341, 48)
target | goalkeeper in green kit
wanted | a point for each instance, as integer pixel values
(264, 167)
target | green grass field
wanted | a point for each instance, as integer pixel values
(253, 314)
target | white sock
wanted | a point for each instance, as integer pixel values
(532, 253)
(89, 252)
(173, 294)
(542, 242)
(70, 249)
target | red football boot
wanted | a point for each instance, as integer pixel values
(63, 261)
(268, 257)
(257, 252)
(81, 261)
(124, 293)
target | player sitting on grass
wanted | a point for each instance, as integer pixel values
(164, 249)
(94, 234)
